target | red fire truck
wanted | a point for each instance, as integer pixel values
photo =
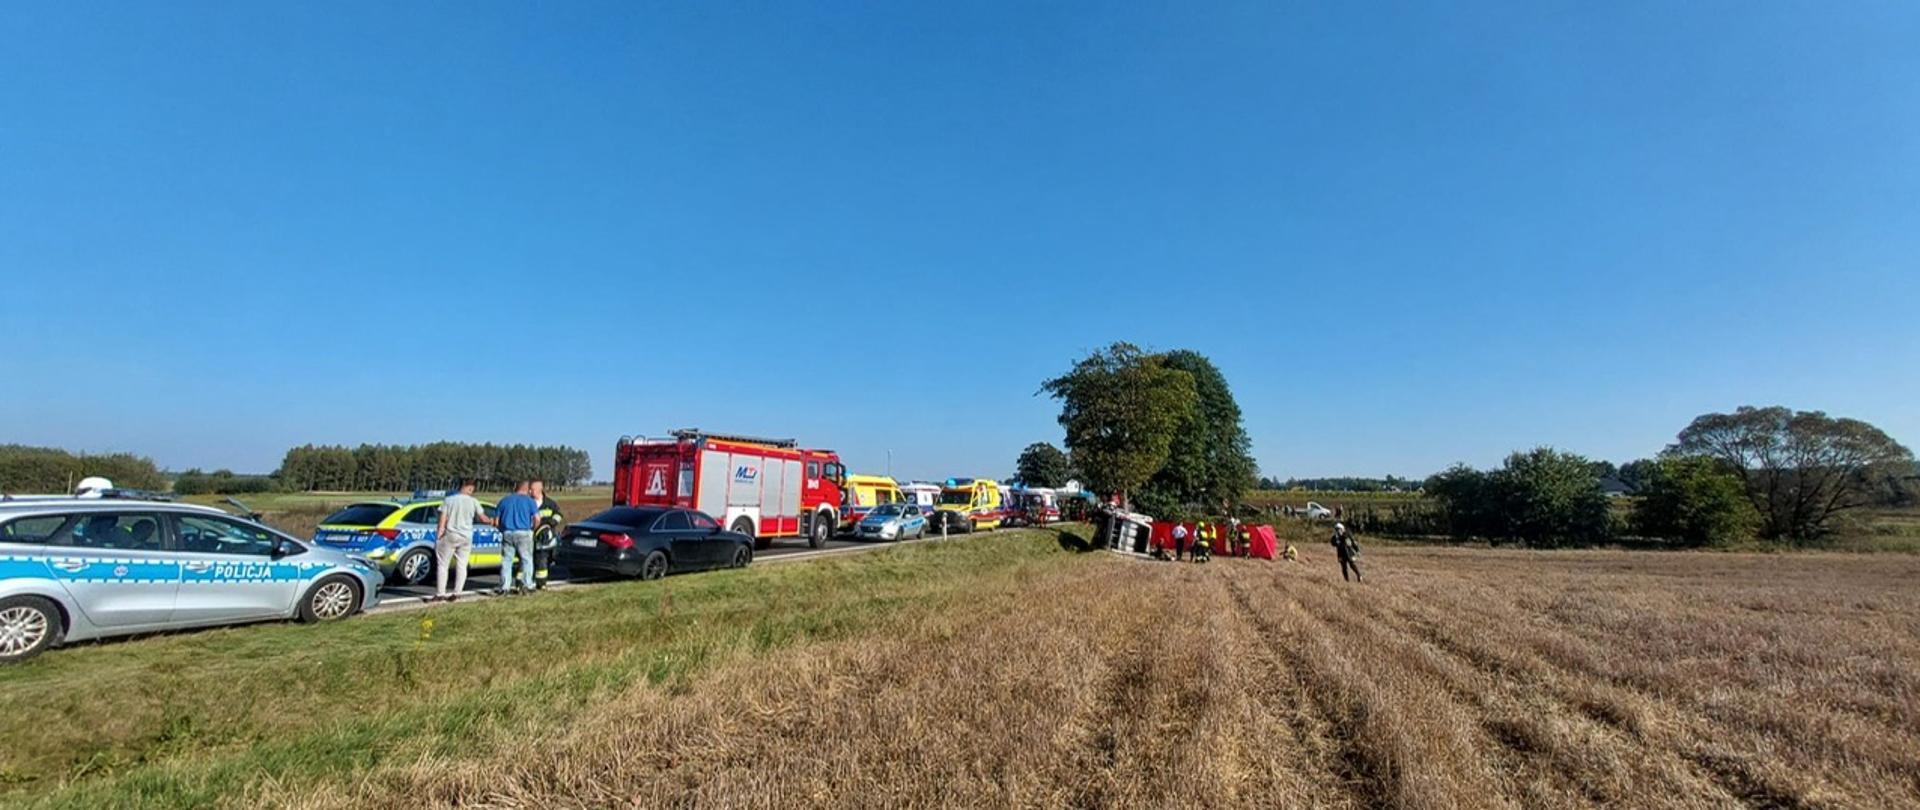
(765, 488)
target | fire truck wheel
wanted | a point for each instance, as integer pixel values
(822, 529)
(741, 525)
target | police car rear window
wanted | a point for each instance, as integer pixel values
(36, 530)
(361, 514)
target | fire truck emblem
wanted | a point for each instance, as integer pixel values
(657, 482)
(746, 474)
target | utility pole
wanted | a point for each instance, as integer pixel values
(889, 463)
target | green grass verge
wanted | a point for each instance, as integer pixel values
(197, 719)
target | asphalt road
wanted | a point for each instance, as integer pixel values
(482, 584)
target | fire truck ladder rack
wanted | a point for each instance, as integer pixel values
(695, 434)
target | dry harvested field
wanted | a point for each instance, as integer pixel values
(1001, 671)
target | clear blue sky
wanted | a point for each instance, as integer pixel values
(1409, 234)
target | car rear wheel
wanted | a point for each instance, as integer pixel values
(415, 568)
(333, 599)
(654, 566)
(28, 626)
(742, 557)
(821, 530)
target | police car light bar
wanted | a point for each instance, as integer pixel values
(136, 495)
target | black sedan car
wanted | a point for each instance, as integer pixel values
(652, 541)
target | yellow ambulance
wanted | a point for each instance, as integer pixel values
(864, 492)
(967, 504)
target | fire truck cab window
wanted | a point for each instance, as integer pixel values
(813, 469)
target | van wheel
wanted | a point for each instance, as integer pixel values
(414, 567)
(655, 566)
(821, 530)
(28, 626)
(335, 598)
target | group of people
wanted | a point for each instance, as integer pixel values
(1199, 544)
(1231, 540)
(517, 516)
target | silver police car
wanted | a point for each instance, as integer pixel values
(73, 569)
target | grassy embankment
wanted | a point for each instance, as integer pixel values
(1001, 671)
(217, 716)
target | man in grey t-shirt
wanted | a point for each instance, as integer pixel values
(454, 541)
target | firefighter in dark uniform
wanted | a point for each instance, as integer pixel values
(547, 525)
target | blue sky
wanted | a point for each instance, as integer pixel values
(1409, 234)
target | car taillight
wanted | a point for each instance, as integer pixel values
(390, 534)
(616, 540)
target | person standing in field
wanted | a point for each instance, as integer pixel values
(1179, 541)
(1348, 550)
(454, 541)
(516, 514)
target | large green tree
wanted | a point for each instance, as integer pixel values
(1466, 500)
(1800, 469)
(1120, 407)
(1693, 500)
(1542, 497)
(1043, 465)
(1550, 497)
(1210, 461)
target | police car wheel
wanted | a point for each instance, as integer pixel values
(742, 557)
(28, 626)
(334, 598)
(415, 568)
(655, 566)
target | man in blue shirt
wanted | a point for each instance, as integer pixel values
(516, 515)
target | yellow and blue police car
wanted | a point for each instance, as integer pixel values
(398, 536)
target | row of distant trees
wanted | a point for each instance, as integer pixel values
(1391, 483)
(48, 470)
(369, 467)
(1769, 474)
(385, 467)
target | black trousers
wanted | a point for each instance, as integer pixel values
(1347, 562)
